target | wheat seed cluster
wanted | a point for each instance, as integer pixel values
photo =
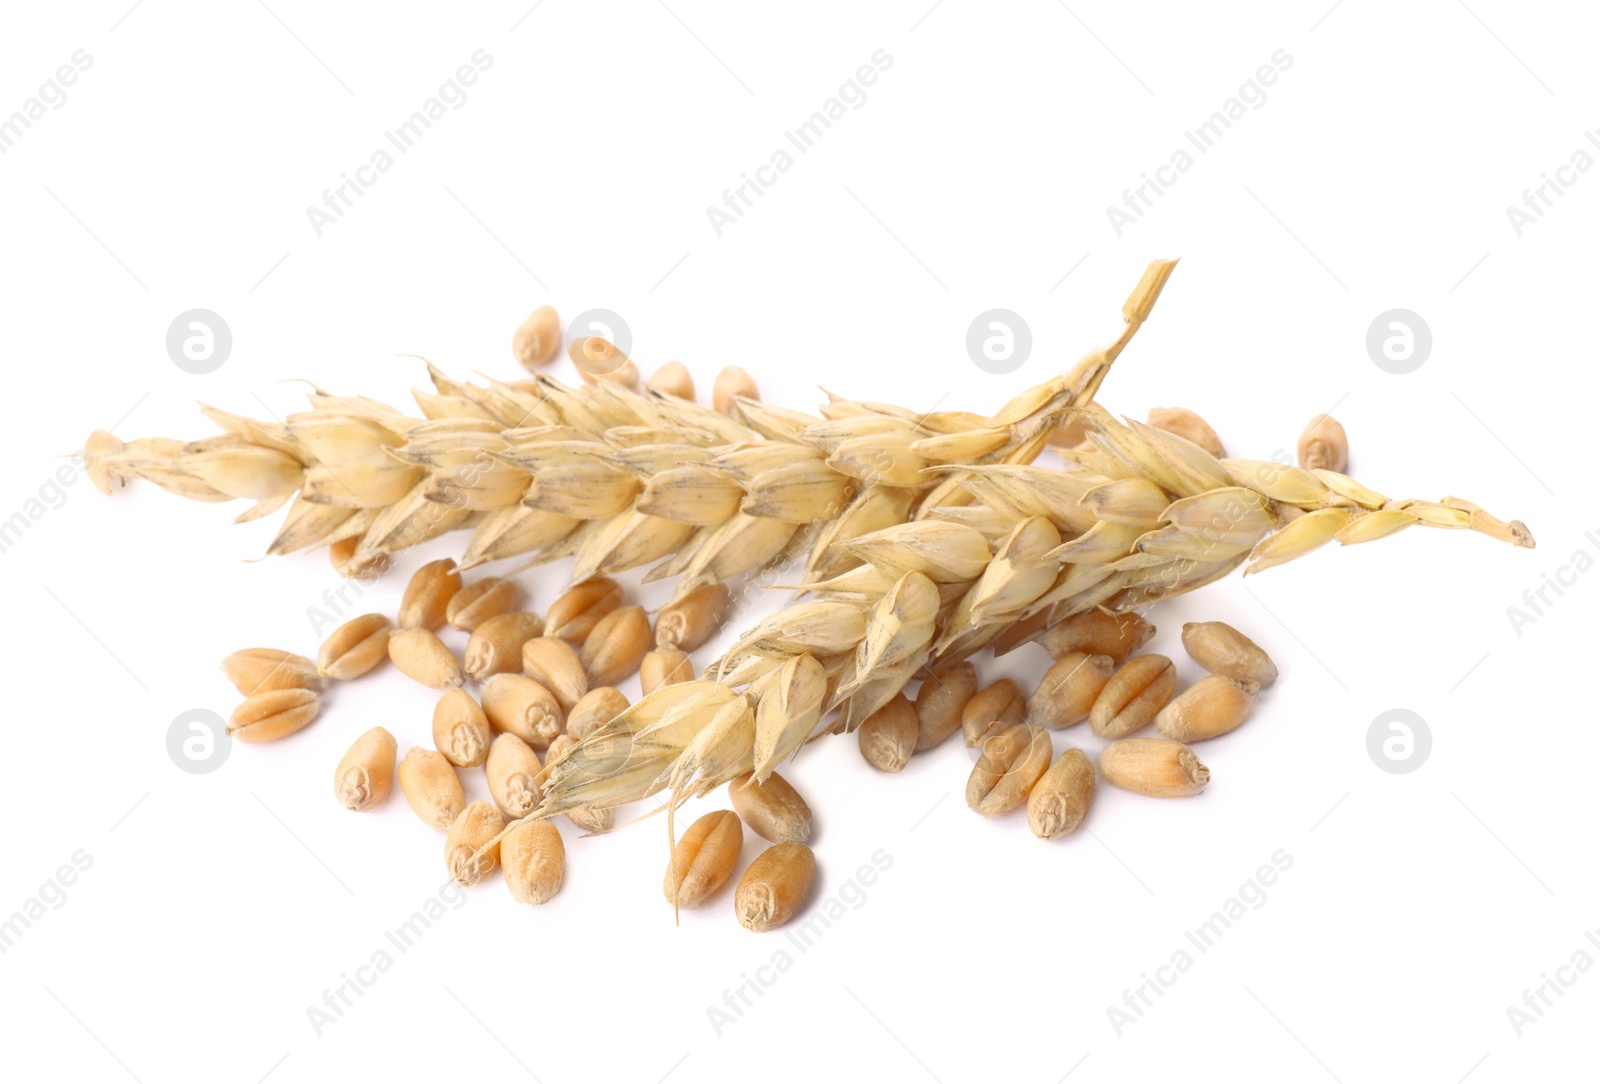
(919, 543)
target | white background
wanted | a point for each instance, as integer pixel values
(1377, 175)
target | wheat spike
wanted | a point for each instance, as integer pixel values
(613, 477)
(866, 634)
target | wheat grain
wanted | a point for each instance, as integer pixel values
(519, 705)
(538, 339)
(1067, 693)
(534, 860)
(269, 716)
(1223, 649)
(427, 598)
(460, 729)
(1213, 706)
(1323, 445)
(513, 773)
(703, 859)
(431, 786)
(355, 647)
(595, 709)
(772, 808)
(495, 646)
(1059, 801)
(613, 651)
(365, 773)
(993, 711)
(556, 666)
(1156, 767)
(423, 657)
(888, 736)
(940, 702)
(775, 886)
(477, 602)
(1131, 698)
(265, 669)
(1007, 769)
(472, 848)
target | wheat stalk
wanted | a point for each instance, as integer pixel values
(614, 477)
(1141, 516)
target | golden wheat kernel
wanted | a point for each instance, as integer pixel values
(1156, 767)
(431, 786)
(555, 664)
(272, 715)
(944, 693)
(732, 383)
(775, 887)
(480, 600)
(534, 861)
(522, 706)
(537, 339)
(1223, 649)
(1068, 690)
(1132, 697)
(593, 820)
(427, 597)
(993, 711)
(366, 772)
(1059, 801)
(597, 708)
(1008, 766)
(573, 616)
(673, 378)
(599, 359)
(589, 818)
(772, 808)
(264, 669)
(557, 748)
(888, 737)
(704, 858)
(513, 773)
(689, 623)
(355, 647)
(1098, 633)
(613, 650)
(1188, 425)
(340, 554)
(460, 729)
(1324, 445)
(663, 667)
(1210, 708)
(423, 657)
(1069, 434)
(1024, 631)
(495, 646)
(471, 832)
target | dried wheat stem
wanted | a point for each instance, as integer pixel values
(1144, 516)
